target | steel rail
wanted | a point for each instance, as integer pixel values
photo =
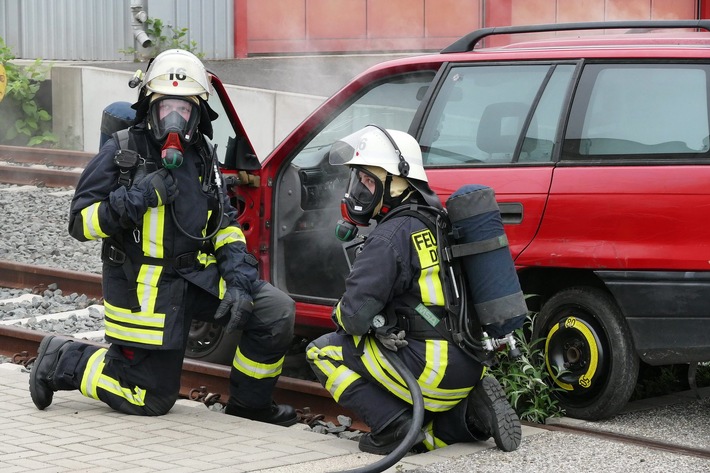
(20, 275)
(200, 381)
(627, 439)
(46, 156)
(36, 176)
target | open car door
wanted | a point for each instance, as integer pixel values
(241, 169)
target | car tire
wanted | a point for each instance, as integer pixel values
(589, 352)
(211, 343)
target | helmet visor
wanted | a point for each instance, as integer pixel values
(171, 114)
(346, 149)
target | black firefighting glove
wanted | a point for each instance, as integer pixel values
(157, 188)
(240, 306)
(393, 340)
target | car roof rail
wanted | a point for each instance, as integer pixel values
(468, 42)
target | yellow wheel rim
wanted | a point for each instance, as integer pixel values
(585, 380)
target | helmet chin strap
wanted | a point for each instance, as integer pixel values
(172, 153)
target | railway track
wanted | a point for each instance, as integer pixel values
(41, 166)
(209, 383)
(201, 381)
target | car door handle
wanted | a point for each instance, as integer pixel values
(511, 212)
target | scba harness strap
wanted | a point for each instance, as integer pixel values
(129, 158)
(451, 322)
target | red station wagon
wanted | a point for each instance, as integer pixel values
(597, 146)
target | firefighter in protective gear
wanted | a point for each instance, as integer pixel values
(395, 293)
(173, 252)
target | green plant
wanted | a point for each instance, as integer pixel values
(667, 379)
(526, 381)
(22, 121)
(165, 36)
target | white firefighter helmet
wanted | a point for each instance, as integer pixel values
(394, 151)
(177, 72)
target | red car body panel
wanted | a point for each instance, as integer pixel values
(591, 217)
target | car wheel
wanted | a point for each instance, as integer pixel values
(211, 343)
(588, 352)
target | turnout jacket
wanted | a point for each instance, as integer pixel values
(397, 265)
(143, 295)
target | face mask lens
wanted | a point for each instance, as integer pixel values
(361, 189)
(172, 115)
(363, 196)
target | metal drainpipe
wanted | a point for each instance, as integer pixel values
(138, 18)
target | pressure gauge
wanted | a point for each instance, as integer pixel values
(378, 321)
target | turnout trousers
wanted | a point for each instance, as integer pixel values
(141, 381)
(358, 376)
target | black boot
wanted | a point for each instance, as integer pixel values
(279, 414)
(386, 440)
(42, 383)
(489, 414)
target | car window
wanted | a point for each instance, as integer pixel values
(495, 114)
(223, 130)
(310, 262)
(390, 104)
(653, 111)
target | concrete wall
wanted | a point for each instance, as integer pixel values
(80, 93)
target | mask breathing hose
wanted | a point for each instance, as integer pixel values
(417, 417)
(220, 195)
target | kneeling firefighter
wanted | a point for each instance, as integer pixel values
(172, 252)
(395, 294)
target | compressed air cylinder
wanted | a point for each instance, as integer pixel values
(481, 243)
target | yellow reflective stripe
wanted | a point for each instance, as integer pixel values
(153, 229)
(222, 288)
(135, 397)
(90, 221)
(429, 281)
(339, 378)
(254, 369)
(437, 362)
(331, 351)
(93, 379)
(121, 324)
(338, 318)
(143, 318)
(135, 335)
(376, 363)
(432, 291)
(147, 288)
(206, 259)
(435, 399)
(430, 441)
(228, 235)
(89, 379)
(437, 359)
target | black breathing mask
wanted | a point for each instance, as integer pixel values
(173, 121)
(363, 196)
